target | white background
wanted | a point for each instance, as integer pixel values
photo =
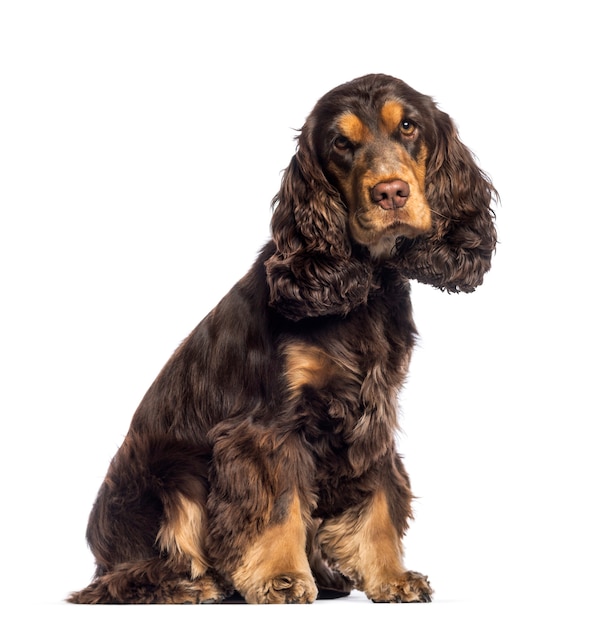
(140, 146)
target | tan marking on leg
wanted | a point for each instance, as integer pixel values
(275, 569)
(181, 534)
(363, 544)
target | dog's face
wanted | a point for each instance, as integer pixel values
(377, 166)
(372, 146)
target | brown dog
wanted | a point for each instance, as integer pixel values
(262, 459)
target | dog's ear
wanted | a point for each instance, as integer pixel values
(456, 253)
(313, 271)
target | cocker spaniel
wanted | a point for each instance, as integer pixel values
(261, 461)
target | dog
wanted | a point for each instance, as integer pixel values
(262, 461)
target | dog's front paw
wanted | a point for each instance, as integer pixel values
(410, 587)
(284, 589)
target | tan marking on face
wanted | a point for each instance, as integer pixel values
(307, 365)
(277, 553)
(364, 545)
(182, 533)
(420, 167)
(382, 159)
(391, 114)
(351, 127)
(378, 228)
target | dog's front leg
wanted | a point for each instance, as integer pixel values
(275, 568)
(259, 514)
(365, 545)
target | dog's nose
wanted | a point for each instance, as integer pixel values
(390, 195)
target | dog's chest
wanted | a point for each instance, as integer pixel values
(360, 359)
(343, 383)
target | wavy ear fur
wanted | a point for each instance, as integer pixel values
(313, 271)
(457, 252)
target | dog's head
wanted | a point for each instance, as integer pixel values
(379, 174)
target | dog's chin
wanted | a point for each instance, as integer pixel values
(383, 248)
(382, 243)
(378, 230)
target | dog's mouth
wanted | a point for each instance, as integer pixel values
(379, 228)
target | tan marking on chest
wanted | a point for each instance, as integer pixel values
(307, 365)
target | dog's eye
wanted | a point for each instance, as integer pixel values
(408, 128)
(341, 143)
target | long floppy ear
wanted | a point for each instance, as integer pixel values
(456, 253)
(313, 271)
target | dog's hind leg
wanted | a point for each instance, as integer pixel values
(150, 581)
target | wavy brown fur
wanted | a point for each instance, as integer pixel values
(262, 458)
